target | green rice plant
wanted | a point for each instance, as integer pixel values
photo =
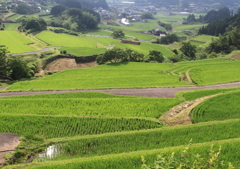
(228, 153)
(140, 36)
(83, 51)
(64, 126)
(187, 27)
(11, 26)
(99, 32)
(75, 105)
(195, 94)
(222, 107)
(15, 42)
(65, 40)
(144, 48)
(127, 142)
(115, 75)
(216, 73)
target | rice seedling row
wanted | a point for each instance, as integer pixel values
(60, 126)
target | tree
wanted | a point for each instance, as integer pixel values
(118, 34)
(154, 55)
(23, 8)
(19, 68)
(188, 49)
(3, 62)
(57, 10)
(35, 24)
(147, 15)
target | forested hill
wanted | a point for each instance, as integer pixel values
(199, 2)
(221, 26)
(84, 3)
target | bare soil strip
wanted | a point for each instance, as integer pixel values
(8, 142)
(180, 114)
(165, 92)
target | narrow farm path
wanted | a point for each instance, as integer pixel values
(180, 114)
(39, 51)
(164, 92)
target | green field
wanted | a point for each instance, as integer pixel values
(99, 32)
(139, 36)
(65, 40)
(127, 75)
(222, 107)
(15, 42)
(179, 27)
(112, 106)
(144, 48)
(83, 51)
(11, 26)
(65, 126)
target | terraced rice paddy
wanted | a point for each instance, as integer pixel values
(16, 42)
(221, 107)
(127, 75)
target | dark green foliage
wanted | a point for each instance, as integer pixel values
(169, 38)
(23, 8)
(225, 44)
(212, 15)
(18, 68)
(147, 15)
(72, 4)
(56, 127)
(188, 49)
(120, 55)
(57, 10)
(76, 20)
(35, 24)
(154, 55)
(3, 62)
(168, 27)
(118, 34)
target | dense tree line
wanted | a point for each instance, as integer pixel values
(147, 15)
(221, 26)
(35, 24)
(83, 3)
(168, 27)
(23, 8)
(129, 55)
(74, 19)
(13, 67)
(169, 38)
(211, 16)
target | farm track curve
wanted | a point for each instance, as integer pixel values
(39, 51)
(164, 92)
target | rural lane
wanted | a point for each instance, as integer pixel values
(164, 92)
(39, 51)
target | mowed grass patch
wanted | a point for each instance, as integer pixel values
(222, 107)
(229, 71)
(76, 105)
(140, 36)
(11, 26)
(145, 47)
(15, 42)
(186, 27)
(100, 32)
(118, 75)
(65, 40)
(83, 51)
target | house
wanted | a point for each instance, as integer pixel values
(156, 32)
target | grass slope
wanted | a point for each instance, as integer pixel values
(15, 42)
(115, 75)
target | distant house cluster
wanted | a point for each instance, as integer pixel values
(157, 32)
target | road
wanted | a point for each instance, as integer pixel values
(164, 92)
(39, 51)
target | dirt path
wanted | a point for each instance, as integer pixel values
(8, 142)
(146, 92)
(179, 114)
(43, 50)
